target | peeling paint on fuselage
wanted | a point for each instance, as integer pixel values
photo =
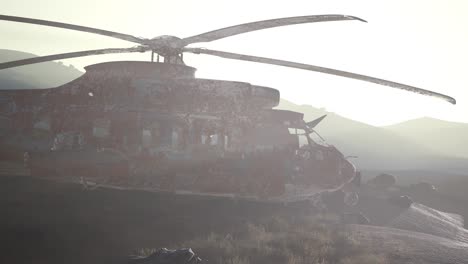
(160, 118)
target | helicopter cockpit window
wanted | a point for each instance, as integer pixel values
(303, 140)
(317, 139)
(301, 135)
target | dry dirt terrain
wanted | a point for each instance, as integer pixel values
(410, 247)
(52, 222)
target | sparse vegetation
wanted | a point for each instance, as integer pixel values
(284, 241)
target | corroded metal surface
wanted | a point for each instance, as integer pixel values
(140, 69)
(150, 125)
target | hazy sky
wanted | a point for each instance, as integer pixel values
(423, 43)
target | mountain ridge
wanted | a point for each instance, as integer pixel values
(35, 76)
(449, 138)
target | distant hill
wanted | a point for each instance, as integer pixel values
(381, 148)
(43, 75)
(449, 138)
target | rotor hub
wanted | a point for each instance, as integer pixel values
(165, 45)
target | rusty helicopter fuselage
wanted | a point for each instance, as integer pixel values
(156, 126)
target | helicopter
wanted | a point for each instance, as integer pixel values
(154, 125)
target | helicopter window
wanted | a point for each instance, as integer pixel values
(296, 131)
(58, 142)
(146, 138)
(303, 140)
(301, 136)
(204, 139)
(175, 138)
(68, 140)
(196, 134)
(43, 124)
(77, 141)
(226, 142)
(214, 139)
(101, 128)
(166, 135)
(155, 133)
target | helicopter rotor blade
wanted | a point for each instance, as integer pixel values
(11, 64)
(259, 25)
(73, 27)
(312, 124)
(236, 56)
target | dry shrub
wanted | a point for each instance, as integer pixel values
(365, 259)
(284, 240)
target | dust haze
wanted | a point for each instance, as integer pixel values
(149, 158)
